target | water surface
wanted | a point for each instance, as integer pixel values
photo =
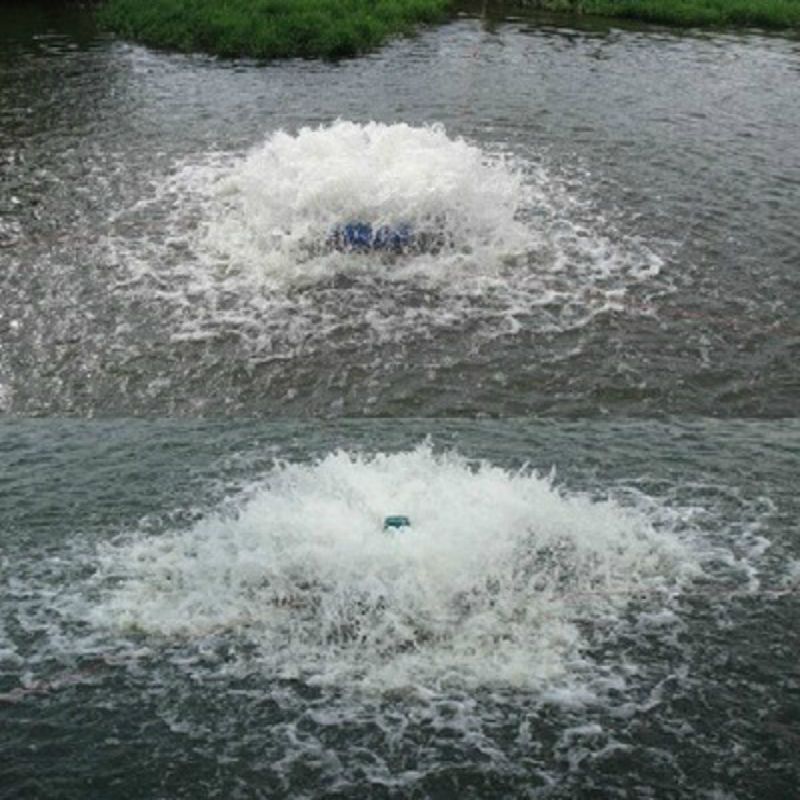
(584, 396)
(579, 608)
(640, 257)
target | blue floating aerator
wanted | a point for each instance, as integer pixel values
(396, 522)
(362, 236)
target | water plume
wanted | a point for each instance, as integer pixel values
(488, 587)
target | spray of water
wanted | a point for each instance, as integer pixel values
(243, 243)
(276, 209)
(488, 587)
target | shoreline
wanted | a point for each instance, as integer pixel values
(268, 29)
(333, 29)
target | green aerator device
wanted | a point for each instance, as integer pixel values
(396, 522)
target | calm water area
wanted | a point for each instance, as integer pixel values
(584, 396)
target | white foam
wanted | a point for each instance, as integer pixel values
(274, 209)
(236, 242)
(486, 588)
(5, 397)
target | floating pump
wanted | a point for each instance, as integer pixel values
(396, 522)
(363, 237)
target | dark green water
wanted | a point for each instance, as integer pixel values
(682, 679)
(586, 402)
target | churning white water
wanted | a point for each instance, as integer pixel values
(273, 211)
(242, 242)
(488, 587)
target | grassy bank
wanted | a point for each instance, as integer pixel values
(336, 28)
(268, 28)
(688, 13)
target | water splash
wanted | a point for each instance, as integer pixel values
(242, 244)
(275, 209)
(488, 588)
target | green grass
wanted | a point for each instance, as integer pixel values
(690, 13)
(268, 28)
(338, 28)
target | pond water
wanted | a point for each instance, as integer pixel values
(582, 391)
(624, 205)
